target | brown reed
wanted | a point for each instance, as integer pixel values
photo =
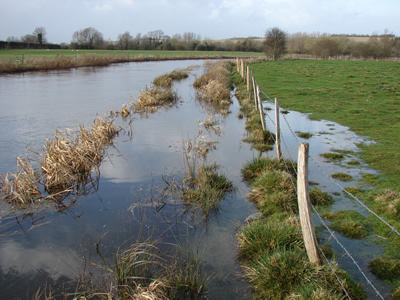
(68, 161)
(20, 187)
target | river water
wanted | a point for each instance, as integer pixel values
(49, 246)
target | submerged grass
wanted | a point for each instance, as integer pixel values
(146, 270)
(207, 188)
(349, 223)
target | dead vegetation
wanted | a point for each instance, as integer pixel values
(214, 87)
(66, 166)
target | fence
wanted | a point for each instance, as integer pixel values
(305, 207)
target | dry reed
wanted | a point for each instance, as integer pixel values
(215, 85)
(21, 187)
(68, 161)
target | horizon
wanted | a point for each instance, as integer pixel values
(213, 20)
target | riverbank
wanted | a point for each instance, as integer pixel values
(364, 97)
(14, 61)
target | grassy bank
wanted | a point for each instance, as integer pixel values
(271, 249)
(365, 97)
(16, 60)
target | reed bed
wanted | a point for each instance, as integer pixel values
(154, 96)
(21, 187)
(166, 80)
(68, 161)
(215, 85)
(145, 271)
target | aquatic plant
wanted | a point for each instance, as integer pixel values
(304, 135)
(349, 223)
(21, 187)
(386, 267)
(342, 177)
(154, 96)
(166, 80)
(215, 85)
(206, 188)
(68, 161)
(318, 197)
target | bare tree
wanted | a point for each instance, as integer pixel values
(88, 38)
(275, 42)
(40, 34)
(125, 40)
(29, 38)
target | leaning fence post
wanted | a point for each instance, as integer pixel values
(307, 226)
(277, 133)
(260, 107)
(254, 90)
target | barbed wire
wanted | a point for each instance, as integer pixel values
(331, 232)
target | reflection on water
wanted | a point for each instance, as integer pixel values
(134, 197)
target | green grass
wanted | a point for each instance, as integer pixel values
(349, 223)
(320, 198)
(207, 188)
(13, 54)
(363, 95)
(304, 135)
(342, 177)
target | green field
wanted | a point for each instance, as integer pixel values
(15, 54)
(363, 95)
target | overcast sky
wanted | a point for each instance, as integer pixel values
(208, 18)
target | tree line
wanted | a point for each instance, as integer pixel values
(275, 43)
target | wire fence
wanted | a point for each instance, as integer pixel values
(258, 104)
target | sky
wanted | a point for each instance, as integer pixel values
(210, 19)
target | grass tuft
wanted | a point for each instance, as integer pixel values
(349, 223)
(207, 188)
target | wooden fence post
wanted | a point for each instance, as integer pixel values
(254, 90)
(307, 226)
(277, 130)
(248, 78)
(260, 107)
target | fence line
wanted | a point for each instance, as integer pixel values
(258, 92)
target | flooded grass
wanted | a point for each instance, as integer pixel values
(333, 156)
(342, 177)
(349, 223)
(320, 198)
(359, 101)
(207, 188)
(304, 135)
(271, 249)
